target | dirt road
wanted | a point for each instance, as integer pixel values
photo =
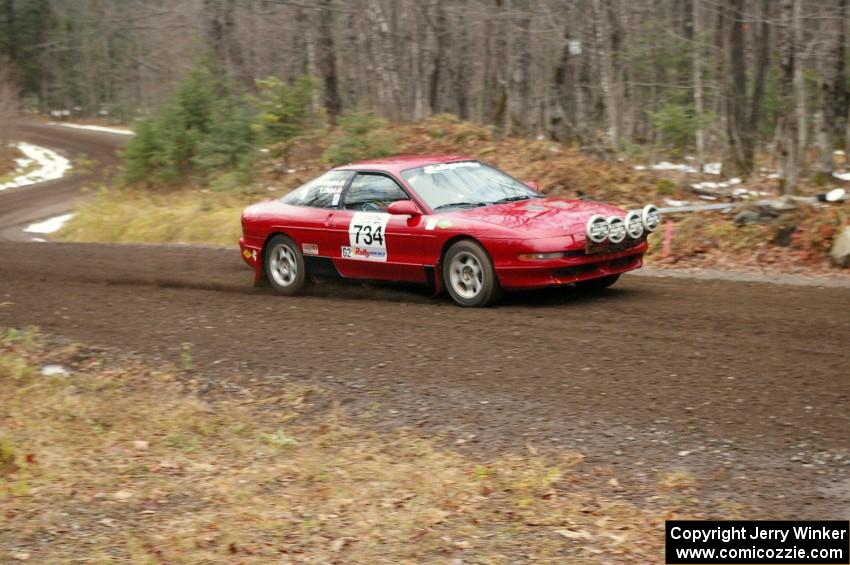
(21, 206)
(744, 385)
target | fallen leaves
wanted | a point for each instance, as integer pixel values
(248, 490)
(572, 534)
(122, 495)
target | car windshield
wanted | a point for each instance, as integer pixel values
(464, 184)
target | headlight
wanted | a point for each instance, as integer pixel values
(597, 229)
(634, 224)
(651, 217)
(616, 229)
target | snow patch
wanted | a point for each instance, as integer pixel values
(712, 168)
(119, 131)
(835, 195)
(51, 370)
(49, 225)
(51, 166)
(708, 168)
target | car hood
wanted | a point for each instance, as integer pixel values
(541, 217)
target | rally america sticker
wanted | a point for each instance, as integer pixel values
(310, 249)
(367, 237)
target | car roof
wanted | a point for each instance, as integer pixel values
(400, 163)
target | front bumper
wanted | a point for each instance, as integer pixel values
(251, 250)
(580, 267)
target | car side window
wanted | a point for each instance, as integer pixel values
(321, 192)
(372, 193)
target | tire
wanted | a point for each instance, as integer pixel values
(598, 284)
(469, 276)
(284, 265)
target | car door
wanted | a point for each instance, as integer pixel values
(314, 207)
(372, 243)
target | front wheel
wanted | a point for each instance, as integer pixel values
(284, 265)
(598, 284)
(469, 276)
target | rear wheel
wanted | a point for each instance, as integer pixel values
(598, 284)
(469, 276)
(284, 265)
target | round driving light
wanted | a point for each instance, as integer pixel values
(634, 224)
(616, 229)
(597, 229)
(651, 217)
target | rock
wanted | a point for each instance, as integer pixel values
(840, 251)
(782, 235)
(747, 217)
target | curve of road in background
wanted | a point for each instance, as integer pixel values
(24, 205)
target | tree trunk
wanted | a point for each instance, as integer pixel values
(740, 156)
(840, 99)
(438, 25)
(762, 63)
(8, 43)
(562, 113)
(387, 62)
(519, 119)
(831, 90)
(696, 69)
(799, 84)
(220, 33)
(462, 69)
(327, 61)
(788, 46)
(607, 76)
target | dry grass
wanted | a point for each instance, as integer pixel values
(123, 462)
(189, 216)
(8, 165)
(561, 170)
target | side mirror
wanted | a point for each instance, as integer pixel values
(404, 208)
(532, 185)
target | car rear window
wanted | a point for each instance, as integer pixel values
(321, 192)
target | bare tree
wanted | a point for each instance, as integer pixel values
(831, 87)
(327, 60)
(519, 119)
(743, 110)
(800, 114)
(697, 70)
(9, 102)
(788, 42)
(607, 81)
(222, 37)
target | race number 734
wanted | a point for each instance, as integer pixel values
(367, 234)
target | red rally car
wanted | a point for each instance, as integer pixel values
(445, 220)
